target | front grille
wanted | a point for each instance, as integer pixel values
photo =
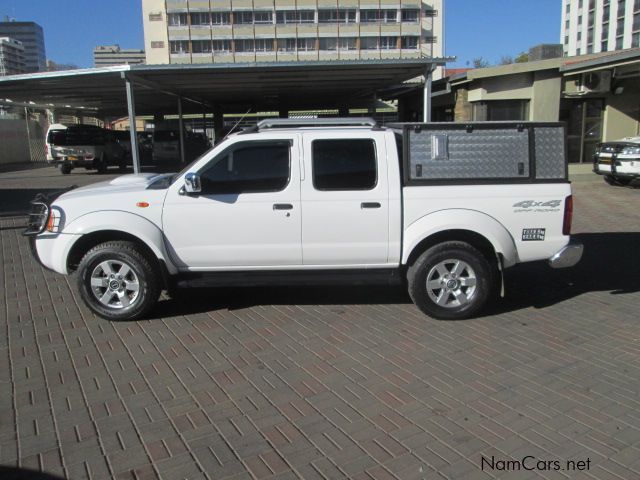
(38, 216)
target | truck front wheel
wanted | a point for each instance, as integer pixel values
(118, 282)
(450, 281)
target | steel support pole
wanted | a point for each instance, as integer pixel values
(131, 105)
(181, 128)
(426, 101)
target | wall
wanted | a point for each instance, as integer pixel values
(155, 31)
(622, 113)
(545, 98)
(14, 141)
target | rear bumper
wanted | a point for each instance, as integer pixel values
(567, 256)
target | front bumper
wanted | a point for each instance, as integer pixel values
(567, 256)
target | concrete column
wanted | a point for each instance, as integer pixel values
(131, 105)
(218, 124)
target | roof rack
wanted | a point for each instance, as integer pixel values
(312, 122)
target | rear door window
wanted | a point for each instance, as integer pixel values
(344, 164)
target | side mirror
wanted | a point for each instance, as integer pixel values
(192, 183)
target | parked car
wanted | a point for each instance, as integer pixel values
(88, 146)
(166, 146)
(443, 207)
(618, 161)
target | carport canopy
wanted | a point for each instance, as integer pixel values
(233, 88)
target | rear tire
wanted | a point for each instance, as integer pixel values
(65, 169)
(101, 165)
(118, 282)
(451, 281)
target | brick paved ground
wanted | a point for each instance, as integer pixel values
(330, 383)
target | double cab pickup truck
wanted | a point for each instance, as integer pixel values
(443, 208)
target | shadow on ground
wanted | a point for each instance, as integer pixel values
(610, 262)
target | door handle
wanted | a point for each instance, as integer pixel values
(370, 205)
(282, 206)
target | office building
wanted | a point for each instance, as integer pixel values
(593, 26)
(11, 57)
(31, 36)
(219, 31)
(109, 55)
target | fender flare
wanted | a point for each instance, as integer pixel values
(461, 219)
(122, 221)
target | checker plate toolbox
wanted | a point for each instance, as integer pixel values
(483, 152)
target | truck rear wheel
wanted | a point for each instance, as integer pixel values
(450, 281)
(118, 282)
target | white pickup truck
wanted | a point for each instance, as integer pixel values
(444, 207)
(618, 161)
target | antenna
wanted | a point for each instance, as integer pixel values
(236, 124)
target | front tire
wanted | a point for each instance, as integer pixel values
(65, 169)
(118, 282)
(451, 281)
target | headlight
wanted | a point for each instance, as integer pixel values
(630, 151)
(54, 221)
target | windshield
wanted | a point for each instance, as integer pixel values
(75, 137)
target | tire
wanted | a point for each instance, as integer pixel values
(65, 169)
(617, 181)
(451, 281)
(128, 298)
(101, 165)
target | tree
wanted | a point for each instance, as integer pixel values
(480, 62)
(523, 57)
(506, 60)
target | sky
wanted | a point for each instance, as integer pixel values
(474, 28)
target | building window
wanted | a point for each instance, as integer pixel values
(328, 44)
(157, 44)
(369, 43)
(177, 19)
(410, 43)
(636, 22)
(429, 39)
(263, 17)
(378, 16)
(635, 40)
(306, 44)
(295, 16)
(636, 5)
(501, 110)
(264, 45)
(410, 15)
(220, 18)
(179, 46)
(604, 46)
(619, 43)
(200, 19)
(222, 46)
(606, 13)
(243, 46)
(388, 43)
(155, 17)
(344, 164)
(430, 12)
(243, 18)
(621, 8)
(347, 43)
(286, 44)
(201, 46)
(336, 16)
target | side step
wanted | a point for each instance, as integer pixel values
(388, 276)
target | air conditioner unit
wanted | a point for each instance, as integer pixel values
(595, 82)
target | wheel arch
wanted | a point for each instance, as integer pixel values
(475, 228)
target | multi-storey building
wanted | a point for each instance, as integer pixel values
(11, 57)
(226, 31)
(109, 55)
(592, 26)
(31, 36)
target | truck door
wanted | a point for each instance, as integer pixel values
(345, 198)
(248, 213)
